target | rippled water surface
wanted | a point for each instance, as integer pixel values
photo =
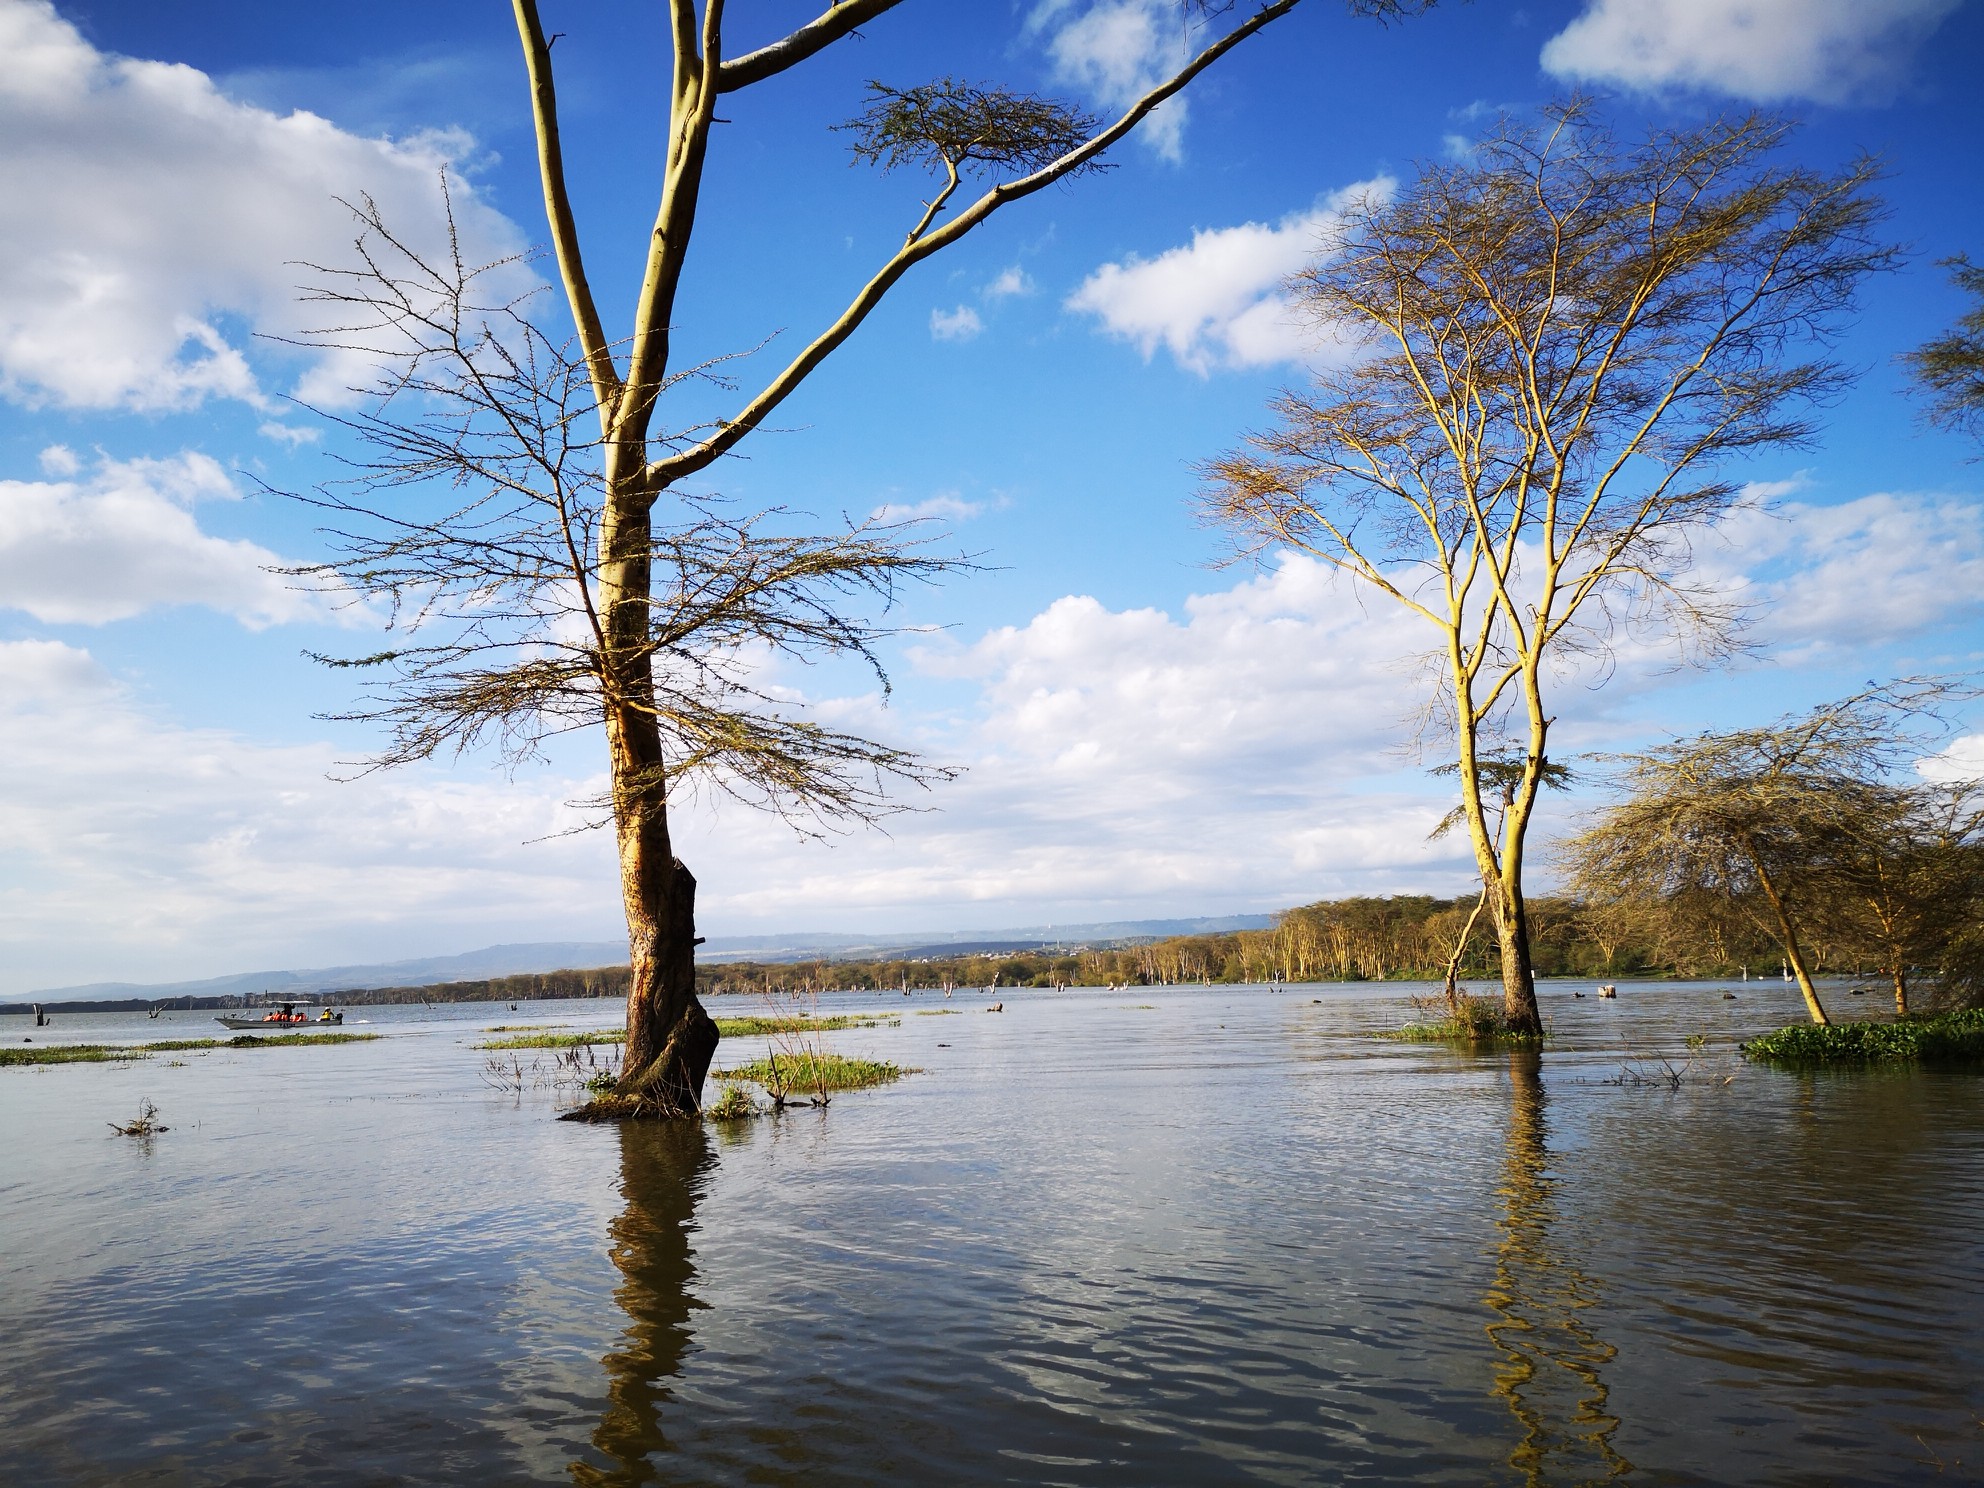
(1177, 1235)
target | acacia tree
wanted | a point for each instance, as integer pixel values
(574, 581)
(1807, 827)
(1950, 369)
(1904, 882)
(1557, 347)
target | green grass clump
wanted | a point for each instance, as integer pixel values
(939, 1012)
(811, 1071)
(67, 1054)
(112, 1053)
(798, 1023)
(1948, 1038)
(558, 1040)
(1478, 1023)
(733, 1105)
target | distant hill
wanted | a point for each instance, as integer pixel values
(513, 960)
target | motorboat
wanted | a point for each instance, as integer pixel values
(283, 1016)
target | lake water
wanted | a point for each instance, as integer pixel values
(1159, 1235)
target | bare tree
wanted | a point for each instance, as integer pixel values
(569, 581)
(1785, 824)
(1558, 347)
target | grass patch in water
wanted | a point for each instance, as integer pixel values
(113, 1053)
(939, 1012)
(797, 1023)
(808, 1070)
(1478, 1023)
(1946, 1038)
(67, 1054)
(558, 1040)
(735, 1104)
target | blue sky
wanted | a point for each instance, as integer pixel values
(1143, 734)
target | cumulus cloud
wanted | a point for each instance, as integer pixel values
(1832, 51)
(960, 324)
(142, 849)
(1218, 300)
(1237, 754)
(1009, 282)
(1854, 574)
(126, 539)
(152, 222)
(1118, 50)
(1131, 762)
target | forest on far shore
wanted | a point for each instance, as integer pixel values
(1408, 937)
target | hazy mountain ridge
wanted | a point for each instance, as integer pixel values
(512, 960)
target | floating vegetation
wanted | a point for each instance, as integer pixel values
(67, 1054)
(118, 1053)
(559, 1040)
(1947, 1038)
(735, 1104)
(940, 1012)
(808, 1069)
(792, 1023)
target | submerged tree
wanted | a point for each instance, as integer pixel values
(569, 580)
(1558, 348)
(1809, 827)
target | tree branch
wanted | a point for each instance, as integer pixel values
(558, 210)
(663, 472)
(814, 36)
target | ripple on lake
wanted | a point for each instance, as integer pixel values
(1182, 1235)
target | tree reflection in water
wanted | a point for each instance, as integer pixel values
(663, 1168)
(1549, 1372)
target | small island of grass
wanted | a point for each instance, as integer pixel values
(810, 1070)
(1476, 1022)
(118, 1053)
(1946, 1038)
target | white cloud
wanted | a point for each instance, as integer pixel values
(1010, 281)
(1833, 51)
(1118, 50)
(59, 459)
(960, 324)
(1218, 300)
(141, 849)
(126, 540)
(287, 434)
(949, 504)
(152, 222)
(1856, 574)
(1240, 754)
(1130, 763)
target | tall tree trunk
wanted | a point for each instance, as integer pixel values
(1794, 955)
(1519, 1010)
(670, 1039)
(1900, 977)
